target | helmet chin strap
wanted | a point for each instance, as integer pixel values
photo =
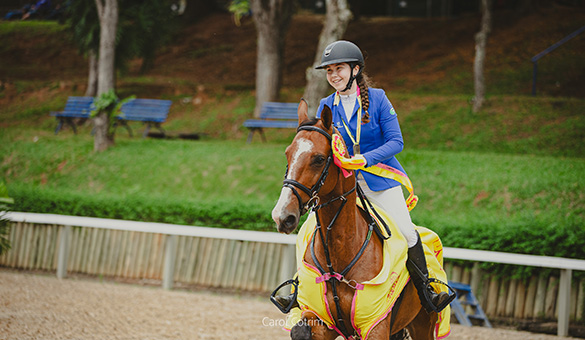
(352, 77)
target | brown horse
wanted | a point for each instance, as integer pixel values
(314, 182)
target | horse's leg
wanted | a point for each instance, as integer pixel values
(381, 331)
(311, 328)
(407, 310)
(411, 315)
(423, 326)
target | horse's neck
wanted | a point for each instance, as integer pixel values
(347, 232)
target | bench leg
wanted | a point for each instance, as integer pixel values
(250, 136)
(59, 125)
(145, 134)
(125, 123)
(72, 124)
(160, 129)
(65, 120)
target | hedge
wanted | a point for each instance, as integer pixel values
(526, 236)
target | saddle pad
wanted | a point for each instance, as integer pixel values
(375, 298)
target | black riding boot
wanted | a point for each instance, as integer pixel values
(285, 303)
(417, 268)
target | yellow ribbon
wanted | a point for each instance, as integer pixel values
(380, 169)
(358, 129)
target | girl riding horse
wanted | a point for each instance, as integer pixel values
(348, 282)
(366, 119)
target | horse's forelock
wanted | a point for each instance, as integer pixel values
(310, 122)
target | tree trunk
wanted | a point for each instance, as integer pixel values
(92, 79)
(337, 18)
(272, 18)
(478, 65)
(108, 15)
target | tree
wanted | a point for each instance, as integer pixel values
(337, 18)
(142, 27)
(108, 16)
(272, 19)
(478, 63)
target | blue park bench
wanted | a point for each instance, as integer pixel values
(152, 112)
(273, 115)
(76, 107)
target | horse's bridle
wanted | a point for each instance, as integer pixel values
(314, 190)
(313, 204)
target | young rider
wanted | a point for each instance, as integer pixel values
(367, 121)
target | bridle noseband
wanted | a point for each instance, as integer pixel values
(314, 190)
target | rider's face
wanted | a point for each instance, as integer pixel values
(338, 75)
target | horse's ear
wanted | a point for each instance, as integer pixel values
(302, 111)
(326, 117)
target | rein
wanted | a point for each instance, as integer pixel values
(313, 205)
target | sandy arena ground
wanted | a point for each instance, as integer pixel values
(37, 306)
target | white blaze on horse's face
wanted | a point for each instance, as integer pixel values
(285, 217)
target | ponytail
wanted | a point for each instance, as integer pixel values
(363, 81)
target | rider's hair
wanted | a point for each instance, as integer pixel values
(364, 82)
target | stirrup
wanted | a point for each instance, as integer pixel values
(429, 290)
(291, 304)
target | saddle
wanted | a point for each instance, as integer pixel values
(373, 299)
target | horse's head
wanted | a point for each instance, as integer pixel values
(310, 160)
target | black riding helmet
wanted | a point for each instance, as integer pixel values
(343, 51)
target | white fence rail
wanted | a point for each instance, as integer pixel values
(277, 258)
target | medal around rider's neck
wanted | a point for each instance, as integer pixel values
(358, 130)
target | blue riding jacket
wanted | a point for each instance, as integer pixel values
(381, 138)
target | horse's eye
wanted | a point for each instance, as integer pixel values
(318, 160)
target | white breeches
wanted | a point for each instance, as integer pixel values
(393, 202)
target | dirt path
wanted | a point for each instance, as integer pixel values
(34, 306)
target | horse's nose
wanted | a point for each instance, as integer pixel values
(288, 224)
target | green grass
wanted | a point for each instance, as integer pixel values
(455, 188)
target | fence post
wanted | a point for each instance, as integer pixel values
(169, 267)
(63, 252)
(564, 302)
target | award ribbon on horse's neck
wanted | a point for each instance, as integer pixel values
(358, 129)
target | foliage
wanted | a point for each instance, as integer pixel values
(5, 205)
(239, 8)
(83, 22)
(535, 237)
(232, 213)
(110, 103)
(143, 27)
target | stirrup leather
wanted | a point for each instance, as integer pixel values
(285, 309)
